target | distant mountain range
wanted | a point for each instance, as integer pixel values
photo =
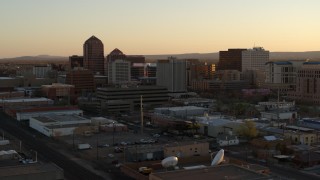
(311, 55)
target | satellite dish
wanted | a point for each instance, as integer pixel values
(169, 161)
(218, 158)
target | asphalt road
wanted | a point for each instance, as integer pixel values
(72, 170)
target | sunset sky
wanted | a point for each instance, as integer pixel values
(60, 27)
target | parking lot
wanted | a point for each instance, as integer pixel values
(109, 146)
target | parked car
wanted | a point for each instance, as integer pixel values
(84, 146)
(103, 145)
(111, 155)
(123, 143)
(118, 150)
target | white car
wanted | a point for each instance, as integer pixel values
(111, 155)
(123, 143)
(103, 145)
(156, 135)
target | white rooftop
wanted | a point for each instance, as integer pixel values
(60, 118)
(24, 100)
(4, 78)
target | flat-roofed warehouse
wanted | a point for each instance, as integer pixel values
(218, 172)
(25, 113)
(58, 125)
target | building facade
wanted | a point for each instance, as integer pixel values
(199, 71)
(119, 72)
(171, 74)
(93, 55)
(41, 71)
(82, 79)
(307, 83)
(230, 60)
(57, 91)
(281, 75)
(75, 61)
(254, 59)
(151, 95)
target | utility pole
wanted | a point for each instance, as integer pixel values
(113, 133)
(97, 148)
(278, 118)
(141, 111)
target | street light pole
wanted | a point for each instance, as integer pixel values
(97, 148)
(113, 134)
(73, 140)
(141, 109)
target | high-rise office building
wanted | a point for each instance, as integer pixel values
(150, 70)
(281, 75)
(82, 79)
(307, 83)
(136, 62)
(119, 72)
(171, 73)
(93, 55)
(115, 54)
(230, 60)
(254, 59)
(137, 65)
(41, 71)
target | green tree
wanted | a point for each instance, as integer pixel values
(248, 130)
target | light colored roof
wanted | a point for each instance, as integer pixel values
(215, 121)
(4, 78)
(60, 118)
(24, 100)
(270, 138)
(299, 128)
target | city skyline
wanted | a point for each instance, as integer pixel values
(165, 27)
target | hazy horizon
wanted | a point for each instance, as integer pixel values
(59, 28)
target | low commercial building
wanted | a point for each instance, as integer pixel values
(186, 149)
(213, 126)
(25, 113)
(313, 123)
(57, 91)
(281, 115)
(11, 94)
(58, 125)
(301, 135)
(15, 102)
(144, 153)
(228, 171)
(180, 112)
(281, 110)
(105, 107)
(227, 140)
(199, 102)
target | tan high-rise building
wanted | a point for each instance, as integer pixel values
(307, 83)
(93, 55)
